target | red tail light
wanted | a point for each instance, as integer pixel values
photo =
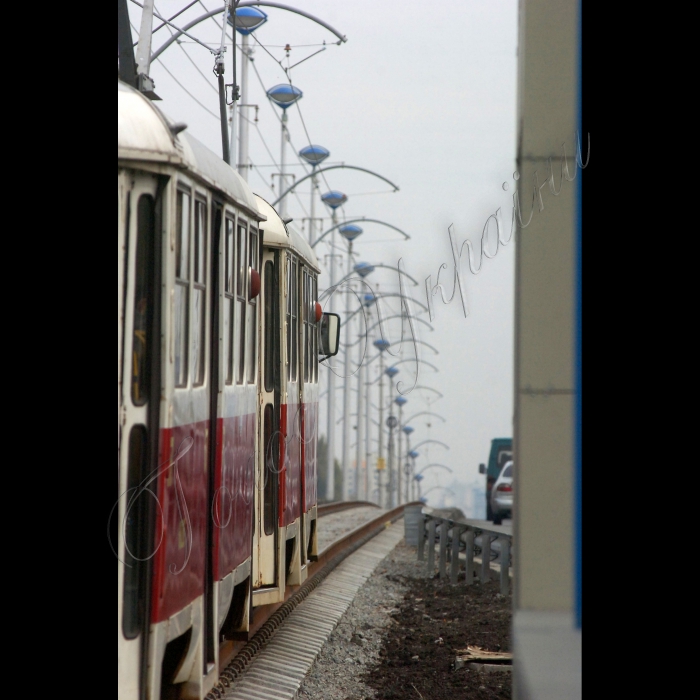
(505, 487)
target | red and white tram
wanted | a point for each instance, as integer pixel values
(219, 336)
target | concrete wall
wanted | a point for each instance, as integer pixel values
(545, 309)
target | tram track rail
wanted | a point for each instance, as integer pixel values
(339, 506)
(235, 657)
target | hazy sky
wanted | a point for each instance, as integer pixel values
(425, 95)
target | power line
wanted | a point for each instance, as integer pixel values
(160, 60)
(216, 116)
(189, 58)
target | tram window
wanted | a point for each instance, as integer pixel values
(133, 610)
(199, 306)
(271, 326)
(242, 300)
(229, 300)
(295, 320)
(145, 225)
(305, 321)
(271, 447)
(292, 319)
(254, 250)
(252, 335)
(182, 288)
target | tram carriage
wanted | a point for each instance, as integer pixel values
(219, 336)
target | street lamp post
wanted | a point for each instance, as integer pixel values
(369, 301)
(248, 19)
(350, 235)
(408, 430)
(314, 156)
(400, 401)
(413, 455)
(284, 96)
(392, 423)
(333, 200)
(381, 345)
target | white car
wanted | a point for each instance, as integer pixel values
(502, 494)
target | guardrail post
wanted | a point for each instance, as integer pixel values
(486, 540)
(457, 531)
(444, 532)
(421, 538)
(432, 526)
(505, 565)
(470, 557)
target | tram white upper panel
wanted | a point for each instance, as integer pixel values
(279, 235)
(144, 135)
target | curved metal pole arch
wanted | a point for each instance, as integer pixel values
(429, 388)
(332, 167)
(244, 3)
(435, 466)
(330, 290)
(353, 221)
(426, 442)
(425, 413)
(420, 342)
(400, 296)
(421, 361)
(390, 318)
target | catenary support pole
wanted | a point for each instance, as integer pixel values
(330, 483)
(348, 472)
(360, 469)
(244, 127)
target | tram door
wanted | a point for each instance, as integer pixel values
(268, 468)
(140, 272)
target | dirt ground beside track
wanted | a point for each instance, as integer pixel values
(435, 620)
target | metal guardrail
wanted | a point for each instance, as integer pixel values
(454, 537)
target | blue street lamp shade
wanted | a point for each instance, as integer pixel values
(413, 454)
(408, 429)
(363, 269)
(284, 95)
(314, 155)
(350, 232)
(334, 199)
(419, 477)
(370, 299)
(248, 19)
(391, 372)
(382, 344)
(400, 401)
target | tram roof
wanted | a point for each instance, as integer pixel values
(278, 235)
(144, 134)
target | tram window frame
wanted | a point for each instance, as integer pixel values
(199, 287)
(253, 257)
(143, 307)
(230, 302)
(271, 327)
(183, 256)
(316, 326)
(306, 325)
(292, 319)
(242, 295)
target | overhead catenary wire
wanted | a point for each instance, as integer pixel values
(216, 116)
(189, 58)
(204, 107)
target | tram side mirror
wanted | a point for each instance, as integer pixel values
(482, 469)
(330, 336)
